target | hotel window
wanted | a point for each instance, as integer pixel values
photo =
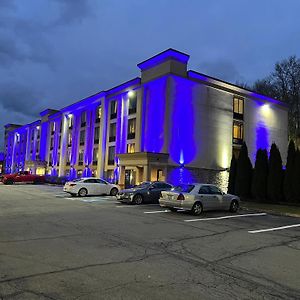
(112, 132)
(50, 159)
(238, 108)
(68, 157)
(96, 135)
(111, 155)
(81, 137)
(69, 139)
(131, 148)
(95, 156)
(98, 114)
(37, 148)
(131, 129)
(80, 158)
(51, 143)
(60, 126)
(83, 119)
(70, 121)
(52, 128)
(58, 158)
(32, 135)
(132, 104)
(38, 132)
(113, 109)
(59, 142)
(238, 132)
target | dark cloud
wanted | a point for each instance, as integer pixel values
(221, 68)
(20, 99)
(9, 52)
(73, 11)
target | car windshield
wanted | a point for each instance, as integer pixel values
(75, 180)
(185, 188)
(143, 185)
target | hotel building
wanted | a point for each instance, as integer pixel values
(170, 123)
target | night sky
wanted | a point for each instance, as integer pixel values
(56, 52)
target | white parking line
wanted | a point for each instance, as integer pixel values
(156, 211)
(226, 217)
(132, 206)
(274, 228)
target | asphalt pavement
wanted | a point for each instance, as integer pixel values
(53, 246)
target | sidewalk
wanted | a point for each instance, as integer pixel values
(285, 210)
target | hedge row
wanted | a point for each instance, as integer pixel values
(267, 181)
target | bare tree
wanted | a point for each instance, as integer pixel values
(284, 84)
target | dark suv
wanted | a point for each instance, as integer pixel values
(146, 192)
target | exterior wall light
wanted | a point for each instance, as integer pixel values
(130, 93)
(37, 127)
(69, 116)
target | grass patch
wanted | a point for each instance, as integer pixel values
(288, 210)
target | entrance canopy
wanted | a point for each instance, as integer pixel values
(142, 166)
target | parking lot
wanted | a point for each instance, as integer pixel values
(53, 246)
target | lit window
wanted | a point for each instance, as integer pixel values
(131, 129)
(98, 114)
(238, 108)
(238, 132)
(132, 103)
(131, 148)
(52, 127)
(70, 121)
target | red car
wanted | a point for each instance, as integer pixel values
(22, 177)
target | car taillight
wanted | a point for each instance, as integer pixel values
(180, 197)
(72, 184)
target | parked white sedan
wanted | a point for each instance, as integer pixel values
(90, 186)
(197, 198)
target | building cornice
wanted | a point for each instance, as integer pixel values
(232, 88)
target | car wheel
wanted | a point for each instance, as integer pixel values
(82, 192)
(138, 199)
(9, 181)
(113, 192)
(36, 181)
(172, 209)
(197, 209)
(234, 206)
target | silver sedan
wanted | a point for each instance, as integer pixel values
(198, 197)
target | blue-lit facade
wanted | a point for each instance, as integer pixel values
(170, 123)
